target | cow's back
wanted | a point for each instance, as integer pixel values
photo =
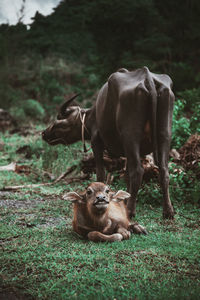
(116, 106)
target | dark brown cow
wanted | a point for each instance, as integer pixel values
(131, 117)
(101, 215)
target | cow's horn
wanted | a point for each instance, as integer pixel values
(67, 103)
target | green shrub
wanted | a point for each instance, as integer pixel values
(181, 125)
(184, 186)
(33, 109)
(18, 113)
(186, 117)
(28, 109)
(192, 107)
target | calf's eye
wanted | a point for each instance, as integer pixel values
(89, 192)
(107, 191)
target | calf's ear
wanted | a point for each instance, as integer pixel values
(120, 195)
(73, 197)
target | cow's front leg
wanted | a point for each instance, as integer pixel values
(135, 172)
(98, 148)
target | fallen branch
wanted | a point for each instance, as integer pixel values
(69, 170)
(118, 165)
(10, 167)
(17, 187)
(77, 179)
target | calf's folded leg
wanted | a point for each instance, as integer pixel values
(97, 236)
(137, 228)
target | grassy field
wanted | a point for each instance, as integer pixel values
(42, 258)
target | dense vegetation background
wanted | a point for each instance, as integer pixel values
(77, 47)
(87, 40)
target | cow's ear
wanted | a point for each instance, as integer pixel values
(73, 197)
(120, 195)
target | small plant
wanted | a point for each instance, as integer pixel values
(33, 109)
(192, 107)
(28, 109)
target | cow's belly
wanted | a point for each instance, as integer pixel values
(112, 143)
(115, 147)
(146, 147)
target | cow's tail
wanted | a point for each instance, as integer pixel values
(153, 94)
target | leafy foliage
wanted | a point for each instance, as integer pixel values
(192, 107)
(181, 125)
(185, 117)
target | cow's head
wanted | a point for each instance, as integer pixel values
(67, 128)
(97, 197)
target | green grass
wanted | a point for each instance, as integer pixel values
(41, 257)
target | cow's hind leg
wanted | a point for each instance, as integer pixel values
(165, 108)
(97, 236)
(132, 134)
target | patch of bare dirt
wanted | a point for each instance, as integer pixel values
(17, 203)
(11, 295)
(27, 219)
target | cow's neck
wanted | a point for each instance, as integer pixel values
(88, 123)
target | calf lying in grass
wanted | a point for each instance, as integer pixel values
(101, 215)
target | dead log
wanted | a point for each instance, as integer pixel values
(190, 154)
(118, 165)
(59, 178)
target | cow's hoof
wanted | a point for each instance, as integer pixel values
(137, 228)
(131, 214)
(168, 215)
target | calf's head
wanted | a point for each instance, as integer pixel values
(97, 197)
(67, 128)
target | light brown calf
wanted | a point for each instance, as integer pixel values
(101, 215)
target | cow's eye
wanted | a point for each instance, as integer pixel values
(89, 192)
(107, 191)
(67, 112)
(62, 116)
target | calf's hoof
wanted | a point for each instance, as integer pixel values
(125, 233)
(116, 237)
(137, 228)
